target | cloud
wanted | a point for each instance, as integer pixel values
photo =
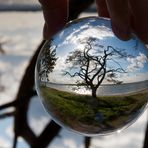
(38, 124)
(4, 142)
(37, 116)
(136, 63)
(4, 66)
(68, 140)
(134, 78)
(72, 34)
(9, 131)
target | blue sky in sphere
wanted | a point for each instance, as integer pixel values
(136, 61)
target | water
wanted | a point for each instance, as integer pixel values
(122, 88)
(103, 90)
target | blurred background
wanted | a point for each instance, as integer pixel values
(21, 24)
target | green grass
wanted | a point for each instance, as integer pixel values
(73, 108)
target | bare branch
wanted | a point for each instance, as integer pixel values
(5, 115)
(102, 78)
(145, 145)
(87, 142)
(48, 134)
(71, 75)
(15, 141)
(7, 105)
(99, 70)
(28, 134)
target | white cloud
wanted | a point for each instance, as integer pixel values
(9, 131)
(134, 78)
(70, 142)
(4, 66)
(4, 142)
(72, 37)
(38, 124)
(136, 63)
(97, 32)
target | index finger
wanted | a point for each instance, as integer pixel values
(118, 11)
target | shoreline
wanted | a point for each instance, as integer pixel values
(128, 94)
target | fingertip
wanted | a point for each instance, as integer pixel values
(123, 33)
(48, 32)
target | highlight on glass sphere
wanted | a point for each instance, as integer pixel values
(90, 81)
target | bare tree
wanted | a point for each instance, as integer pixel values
(91, 64)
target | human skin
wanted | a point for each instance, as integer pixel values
(55, 14)
(126, 16)
(129, 16)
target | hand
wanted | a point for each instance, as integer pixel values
(126, 16)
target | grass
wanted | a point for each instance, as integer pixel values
(107, 112)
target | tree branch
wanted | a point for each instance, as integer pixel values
(10, 104)
(25, 92)
(15, 141)
(145, 145)
(87, 142)
(5, 115)
(48, 134)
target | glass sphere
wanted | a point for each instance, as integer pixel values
(90, 81)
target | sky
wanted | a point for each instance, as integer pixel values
(135, 63)
(19, 42)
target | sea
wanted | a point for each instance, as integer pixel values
(104, 89)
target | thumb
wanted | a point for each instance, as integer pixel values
(55, 15)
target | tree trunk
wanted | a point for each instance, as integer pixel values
(94, 101)
(94, 91)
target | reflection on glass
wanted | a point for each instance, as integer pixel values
(90, 81)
